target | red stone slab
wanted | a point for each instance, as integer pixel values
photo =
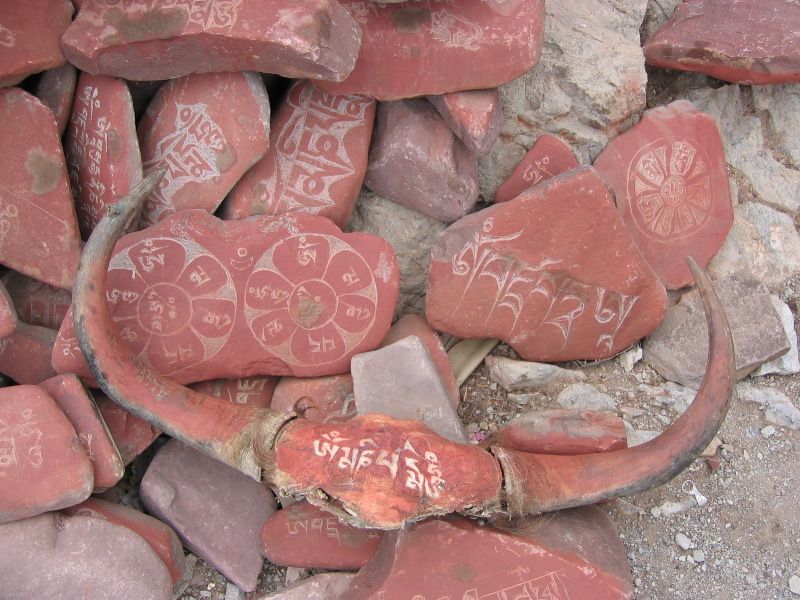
(251, 391)
(513, 271)
(30, 37)
(38, 229)
(417, 49)
(25, 355)
(319, 399)
(670, 179)
(475, 116)
(101, 147)
(79, 408)
(37, 303)
(548, 157)
(55, 90)
(742, 42)
(42, 463)
(8, 314)
(305, 536)
(208, 130)
(201, 298)
(131, 434)
(316, 161)
(153, 39)
(160, 536)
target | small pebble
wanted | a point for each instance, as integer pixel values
(794, 585)
(699, 556)
(768, 431)
(683, 541)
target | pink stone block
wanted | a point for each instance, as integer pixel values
(38, 229)
(250, 391)
(475, 116)
(25, 355)
(37, 303)
(8, 314)
(316, 161)
(208, 130)
(131, 434)
(55, 90)
(101, 147)
(319, 398)
(548, 157)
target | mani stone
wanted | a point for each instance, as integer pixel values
(678, 349)
(574, 553)
(317, 158)
(741, 42)
(323, 586)
(305, 536)
(548, 157)
(207, 130)
(38, 228)
(514, 271)
(42, 463)
(63, 558)
(216, 510)
(514, 375)
(401, 380)
(131, 434)
(475, 116)
(152, 40)
(37, 303)
(670, 179)
(417, 161)
(56, 89)
(416, 49)
(159, 536)
(8, 314)
(317, 398)
(25, 355)
(249, 391)
(30, 37)
(102, 148)
(79, 408)
(198, 298)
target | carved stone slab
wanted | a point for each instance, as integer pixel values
(101, 147)
(30, 37)
(38, 229)
(513, 271)
(323, 398)
(25, 354)
(548, 157)
(475, 116)
(316, 161)
(670, 179)
(42, 463)
(250, 391)
(131, 434)
(37, 303)
(79, 408)
(200, 298)
(740, 42)
(318, 40)
(208, 130)
(8, 314)
(305, 536)
(417, 161)
(55, 90)
(415, 49)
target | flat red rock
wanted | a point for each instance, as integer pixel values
(251, 391)
(742, 42)
(316, 161)
(152, 39)
(30, 37)
(513, 271)
(208, 130)
(475, 116)
(56, 89)
(323, 398)
(38, 229)
(37, 303)
(101, 147)
(42, 463)
(670, 179)
(305, 536)
(200, 298)
(416, 49)
(131, 434)
(548, 157)
(25, 355)
(8, 314)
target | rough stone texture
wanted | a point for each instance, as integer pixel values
(678, 349)
(571, 554)
(42, 463)
(789, 363)
(475, 116)
(38, 228)
(208, 130)
(777, 406)
(8, 314)
(417, 50)
(401, 380)
(101, 147)
(317, 158)
(512, 271)
(467, 355)
(303, 535)
(411, 234)
(584, 396)
(513, 375)
(251, 391)
(261, 296)
(781, 106)
(548, 157)
(25, 354)
(325, 586)
(323, 398)
(670, 182)
(37, 303)
(131, 434)
(741, 42)
(63, 558)
(417, 161)
(216, 510)
(79, 408)
(658, 12)
(30, 37)
(570, 92)
(149, 40)
(55, 90)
